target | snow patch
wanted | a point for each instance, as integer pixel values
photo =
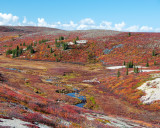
(150, 70)
(152, 90)
(115, 67)
(146, 70)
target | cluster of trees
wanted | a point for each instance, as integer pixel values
(15, 52)
(29, 47)
(19, 51)
(43, 41)
(61, 38)
(63, 44)
(130, 64)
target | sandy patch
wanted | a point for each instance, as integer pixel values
(152, 90)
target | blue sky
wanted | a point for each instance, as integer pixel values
(121, 15)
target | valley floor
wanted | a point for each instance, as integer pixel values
(36, 91)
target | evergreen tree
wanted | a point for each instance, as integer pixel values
(127, 71)
(130, 64)
(24, 44)
(129, 34)
(124, 63)
(61, 38)
(57, 44)
(154, 62)
(77, 38)
(136, 70)
(21, 51)
(65, 46)
(147, 64)
(13, 54)
(32, 50)
(153, 53)
(51, 51)
(8, 52)
(17, 47)
(48, 46)
(118, 73)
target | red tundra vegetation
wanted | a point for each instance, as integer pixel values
(58, 78)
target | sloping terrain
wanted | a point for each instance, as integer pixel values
(109, 79)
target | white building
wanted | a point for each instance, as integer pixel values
(70, 43)
(81, 41)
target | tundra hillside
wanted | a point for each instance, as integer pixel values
(89, 78)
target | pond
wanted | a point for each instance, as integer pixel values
(76, 95)
(14, 69)
(49, 80)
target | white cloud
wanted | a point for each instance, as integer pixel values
(69, 26)
(27, 23)
(105, 25)
(119, 26)
(134, 28)
(8, 19)
(146, 28)
(84, 24)
(24, 20)
(157, 30)
(82, 27)
(42, 22)
(87, 21)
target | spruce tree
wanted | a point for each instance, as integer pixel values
(147, 64)
(154, 62)
(32, 50)
(127, 71)
(153, 53)
(77, 38)
(118, 73)
(8, 52)
(13, 54)
(17, 47)
(136, 70)
(21, 51)
(129, 34)
(51, 51)
(124, 63)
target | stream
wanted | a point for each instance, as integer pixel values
(77, 95)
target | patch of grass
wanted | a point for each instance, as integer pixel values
(103, 121)
(70, 75)
(92, 99)
(140, 83)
